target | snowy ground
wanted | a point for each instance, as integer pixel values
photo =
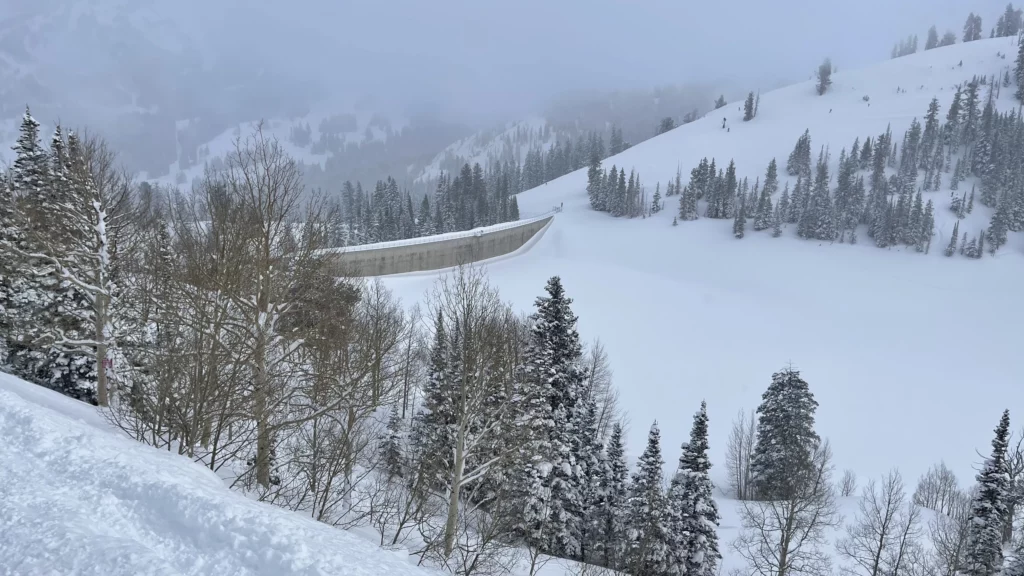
(78, 497)
(912, 357)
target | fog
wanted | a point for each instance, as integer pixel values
(160, 78)
(477, 57)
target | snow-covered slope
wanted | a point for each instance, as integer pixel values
(912, 357)
(511, 142)
(78, 497)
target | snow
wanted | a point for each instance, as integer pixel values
(80, 497)
(912, 357)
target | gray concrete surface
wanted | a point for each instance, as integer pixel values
(437, 255)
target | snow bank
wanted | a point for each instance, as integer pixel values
(78, 497)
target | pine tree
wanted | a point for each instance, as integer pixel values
(656, 201)
(998, 227)
(692, 514)
(553, 366)
(612, 513)
(824, 77)
(647, 535)
(748, 108)
(720, 102)
(951, 248)
(391, 452)
(786, 440)
(984, 550)
(777, 222)
(933, 39)
(739, 224)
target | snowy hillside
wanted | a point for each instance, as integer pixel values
(82, 498)
(511, 142)
(912, 357)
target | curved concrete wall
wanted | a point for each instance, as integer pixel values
(439, 254)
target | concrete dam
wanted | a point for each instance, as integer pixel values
(440, 251)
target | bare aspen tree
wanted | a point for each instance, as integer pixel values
(937, 490)
(739, 449)
(848, 484)
(883, 538)
(948, 534)
(1015, 494)
(787, 537)
(606, 396)
(482, 328)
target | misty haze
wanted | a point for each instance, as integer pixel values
(538, 288)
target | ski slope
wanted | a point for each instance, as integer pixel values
(912, 357)
(78, 497)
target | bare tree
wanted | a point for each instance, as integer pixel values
(848, 483)
(1015, 472)
(606, 396)
(739, 450)
(485, 343)
(883, 535)
(948, 533)
(786, 537)
(937, 490)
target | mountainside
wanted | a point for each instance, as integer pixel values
(911, 356)
(80, 497)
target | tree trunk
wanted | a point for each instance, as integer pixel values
(102, 397)
(260, 412)
(451, 525)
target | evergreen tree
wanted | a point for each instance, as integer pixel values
(611, 511)
(933, 39)
(692, 514)
(824, 77)
(553, 366)
(998, 227)
(720, 102)
(786, 440)
(647, 536)
(1018, 72)
(951, 248)
(656, 201)
(799, 162)
(748, 108)
(984, 550)
(739, 223)
(777, 222)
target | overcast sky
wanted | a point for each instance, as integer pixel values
(497, 55)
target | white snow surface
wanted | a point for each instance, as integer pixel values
(78, 497)
(912, 357)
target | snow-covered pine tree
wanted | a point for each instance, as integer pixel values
(611, 513)
(799, 161)
(739, 223)
(984, 549)
(33, 284)
(951, 247)
(647, 537)
(691, 513)
(777, 221)
(824, 76)
(595, 184)
(786, 440)
(392, 448)
(748, 108)
(656, 200)
(553, 365)
(433, 423)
